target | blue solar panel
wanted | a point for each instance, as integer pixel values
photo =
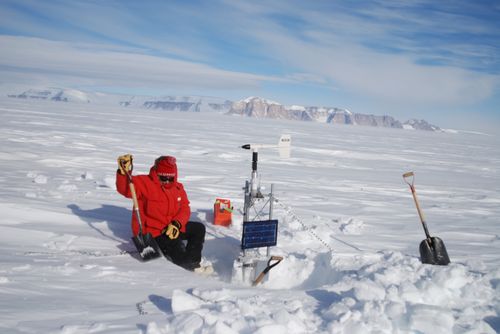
(262, 233)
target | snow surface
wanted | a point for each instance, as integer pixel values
(349, 231)
(251, 98)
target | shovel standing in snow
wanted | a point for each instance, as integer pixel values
(270, 265)
(432, 249)
(145, 243)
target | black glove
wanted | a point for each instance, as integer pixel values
(172, 230)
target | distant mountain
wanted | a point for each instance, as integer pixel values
(261, 108)
(252, 107)
(54, 94)
(414, 124)
(176, 103)
(170, 103)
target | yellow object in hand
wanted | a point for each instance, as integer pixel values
(125, 163)
(173, 230)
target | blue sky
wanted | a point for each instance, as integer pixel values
(437, 60)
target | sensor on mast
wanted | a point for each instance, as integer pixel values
(284, 146)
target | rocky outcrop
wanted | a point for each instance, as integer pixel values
(420, 125)
(53, 94)
(174, 103)
(261, 108)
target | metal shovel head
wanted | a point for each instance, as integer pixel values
(146, 246)
(433, 251)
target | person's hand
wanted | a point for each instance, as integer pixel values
(172, 230)
(125, 163)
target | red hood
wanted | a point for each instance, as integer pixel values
(167, 166)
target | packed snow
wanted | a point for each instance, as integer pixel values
(348, 227)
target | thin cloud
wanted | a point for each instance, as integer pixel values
(385, 76)
(336, 47)
(104, 67)
(104, 22)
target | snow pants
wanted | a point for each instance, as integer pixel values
(186, 255)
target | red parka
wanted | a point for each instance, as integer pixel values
(158, 204)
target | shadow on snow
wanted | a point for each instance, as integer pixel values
(117, 220)
(221, 251)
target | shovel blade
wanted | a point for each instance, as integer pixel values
(433, 251)
(146, 246)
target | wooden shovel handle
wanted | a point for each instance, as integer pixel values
(131, 186)
(269, 267)
(134, 198)
(417, 204)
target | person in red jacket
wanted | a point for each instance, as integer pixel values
(164, 209)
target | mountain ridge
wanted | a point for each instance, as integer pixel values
(252, 106)
(261, 108)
